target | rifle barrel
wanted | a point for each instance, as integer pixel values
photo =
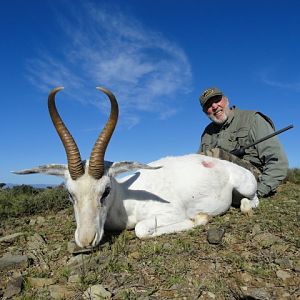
(269, 136)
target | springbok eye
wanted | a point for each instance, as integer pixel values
(105, 194)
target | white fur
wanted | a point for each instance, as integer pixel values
(181, 193)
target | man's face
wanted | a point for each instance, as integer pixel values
(217, 109)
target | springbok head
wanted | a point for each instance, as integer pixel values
(90, 184)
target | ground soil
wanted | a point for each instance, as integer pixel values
(257, 258)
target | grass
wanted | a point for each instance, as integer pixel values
(176, 266)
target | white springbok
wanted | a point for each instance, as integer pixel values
(169, 195)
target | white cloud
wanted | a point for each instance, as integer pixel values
(268, 77)
(293, 86)
(141, 67)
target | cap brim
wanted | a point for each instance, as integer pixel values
(211, 96)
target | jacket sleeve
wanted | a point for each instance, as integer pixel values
(271, 155)
(200, 149)
(204, 142)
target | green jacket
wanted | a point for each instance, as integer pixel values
(242, 128)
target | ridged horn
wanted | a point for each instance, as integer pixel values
(73, 155)
(96, 164)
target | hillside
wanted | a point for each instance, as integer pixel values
(256, 257)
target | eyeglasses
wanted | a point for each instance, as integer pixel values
(210, 102)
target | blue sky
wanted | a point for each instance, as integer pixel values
(156, 57)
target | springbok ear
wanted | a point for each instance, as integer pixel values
(51, 169)
(116, 168)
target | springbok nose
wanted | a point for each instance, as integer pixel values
(85, 239)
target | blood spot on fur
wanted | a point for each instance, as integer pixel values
(208, 164)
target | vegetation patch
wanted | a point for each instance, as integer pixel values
(26, 200)
(258, 257)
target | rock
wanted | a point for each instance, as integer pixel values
(283, 275)
(285, 295)
(279, 249)
(40, 282)
(37, 248)
(14, 287)
(282, 293)
(256, 293)
(9, 261)
(167, 246)
(297, 266)
(55, 253)
(36, 242)
(256, 229)
(71, 247)
(284, 263)
(74, 279)
(61, 292)
(10, 238)
(74, 249)
(84, 262)
(211, 295)
(245, 277)
(266, 239)
(215, 235)
(78, 260)
(207, 296)
(77, 264)
(96, 292)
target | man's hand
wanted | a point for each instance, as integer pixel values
(222, 154)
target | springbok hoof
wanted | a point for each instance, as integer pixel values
(246, 207)
(201, 219)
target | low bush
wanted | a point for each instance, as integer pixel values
(293, 175)
(26, 200)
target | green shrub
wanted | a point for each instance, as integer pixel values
(293, 175)
(26, 200)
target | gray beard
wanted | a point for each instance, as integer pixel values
(226, 113)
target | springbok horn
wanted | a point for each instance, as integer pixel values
(73, 155)
(96, 164)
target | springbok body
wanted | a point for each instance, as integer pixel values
(169, 195)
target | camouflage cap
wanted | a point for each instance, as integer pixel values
(209, 93)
